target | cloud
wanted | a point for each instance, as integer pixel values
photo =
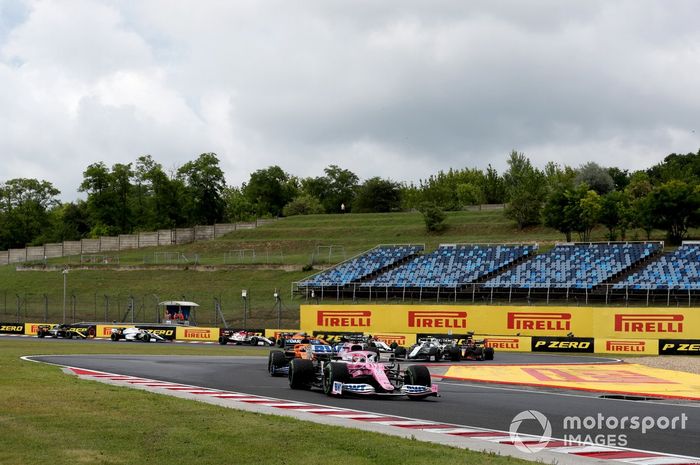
(392, 89)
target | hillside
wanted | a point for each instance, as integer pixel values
(103, 292)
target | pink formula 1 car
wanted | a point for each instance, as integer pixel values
(360, 373)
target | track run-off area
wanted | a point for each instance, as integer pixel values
(588, 403)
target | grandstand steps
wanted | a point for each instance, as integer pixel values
(618, 277)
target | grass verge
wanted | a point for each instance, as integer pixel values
(46, 415)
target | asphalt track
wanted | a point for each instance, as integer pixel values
(463, 403)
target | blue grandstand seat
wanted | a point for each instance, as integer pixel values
(575, 266)
(679, 269)
(451, 266)
(362, 265)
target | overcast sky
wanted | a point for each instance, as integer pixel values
(398, 89)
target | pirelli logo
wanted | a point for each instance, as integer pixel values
(536, 321)
(625, 346)
(197, 333)
(649, 323)
(344, 318)
(390, 339)
(443, 319)
(512, 343)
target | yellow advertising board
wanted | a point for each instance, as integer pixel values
(508, 343)
(106, 330)
(623, 347)
(611, 323)
(650, 323)
(196, 333)
(31, 328)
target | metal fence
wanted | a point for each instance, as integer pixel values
(215, 310)
(605, 294)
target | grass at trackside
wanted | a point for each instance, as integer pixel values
(289, 242)
(46, 415)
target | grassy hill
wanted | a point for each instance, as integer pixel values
(104, 292)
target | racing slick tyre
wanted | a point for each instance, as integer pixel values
(454, 354)
(275, 360)
(488, 353)
(400, 352)
(417, 375)
(146, 337)
(479, 353)
(280, 342)
(434, 355)
(254, 341)
(41, 333)
(114, 337)
(332, 373)
(223, 341)
(68, 335)
(301, 373)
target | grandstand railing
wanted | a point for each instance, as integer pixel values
(478, 293)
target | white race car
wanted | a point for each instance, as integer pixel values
(135, 334)
(243, 337)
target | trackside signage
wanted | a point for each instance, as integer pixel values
(33, 328)
(539, 321)
(437, 319)
(508, 344)
(563, 344)
(12, 328)
(196, 333)
(656, 323)
(346, 318)
(627, 346)
(679, 347)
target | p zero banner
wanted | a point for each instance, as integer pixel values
(563, 344)
(679, 347)
(624, 347)
(195, 333)
(12, 328)
(607, 323)
(166, 332)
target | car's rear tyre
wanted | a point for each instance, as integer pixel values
(400, 352)
(146, 337)
(114, 337)
(41, 333)
(417, 375)
(275, 360)
(68, 335)
(301, 373)
(280, 342)
(334, 372)
(488, 353)
(455, 354)
(254, 341)
(223, 340)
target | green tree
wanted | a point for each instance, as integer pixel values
(433, 217)
(590, 210)
(526, 189)
(614, 214)
(378, 195)
(24, 210)
(597, 178)
(342, 188)
(303, 205)
(269, 190)
(238, 207)
(674, 207)
(469, 194)
(204, 185)
(494, 186)
(557, 210)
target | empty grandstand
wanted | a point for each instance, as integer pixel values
(575, 266)
(677, 270)
(361, 266)
(451, 266)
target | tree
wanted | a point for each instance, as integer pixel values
(342, 188)
(614, 214)
(590, 209)
(378, 195)
(526, 189)
(303, 205)
(433, 217)
(469, 194)
(595, 177)
(674, 207)
(494, 188)
(269, 190)
(557, 211)
(238, 207)
(24, 210)
(204, 184)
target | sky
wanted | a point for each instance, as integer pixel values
(397, 89)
